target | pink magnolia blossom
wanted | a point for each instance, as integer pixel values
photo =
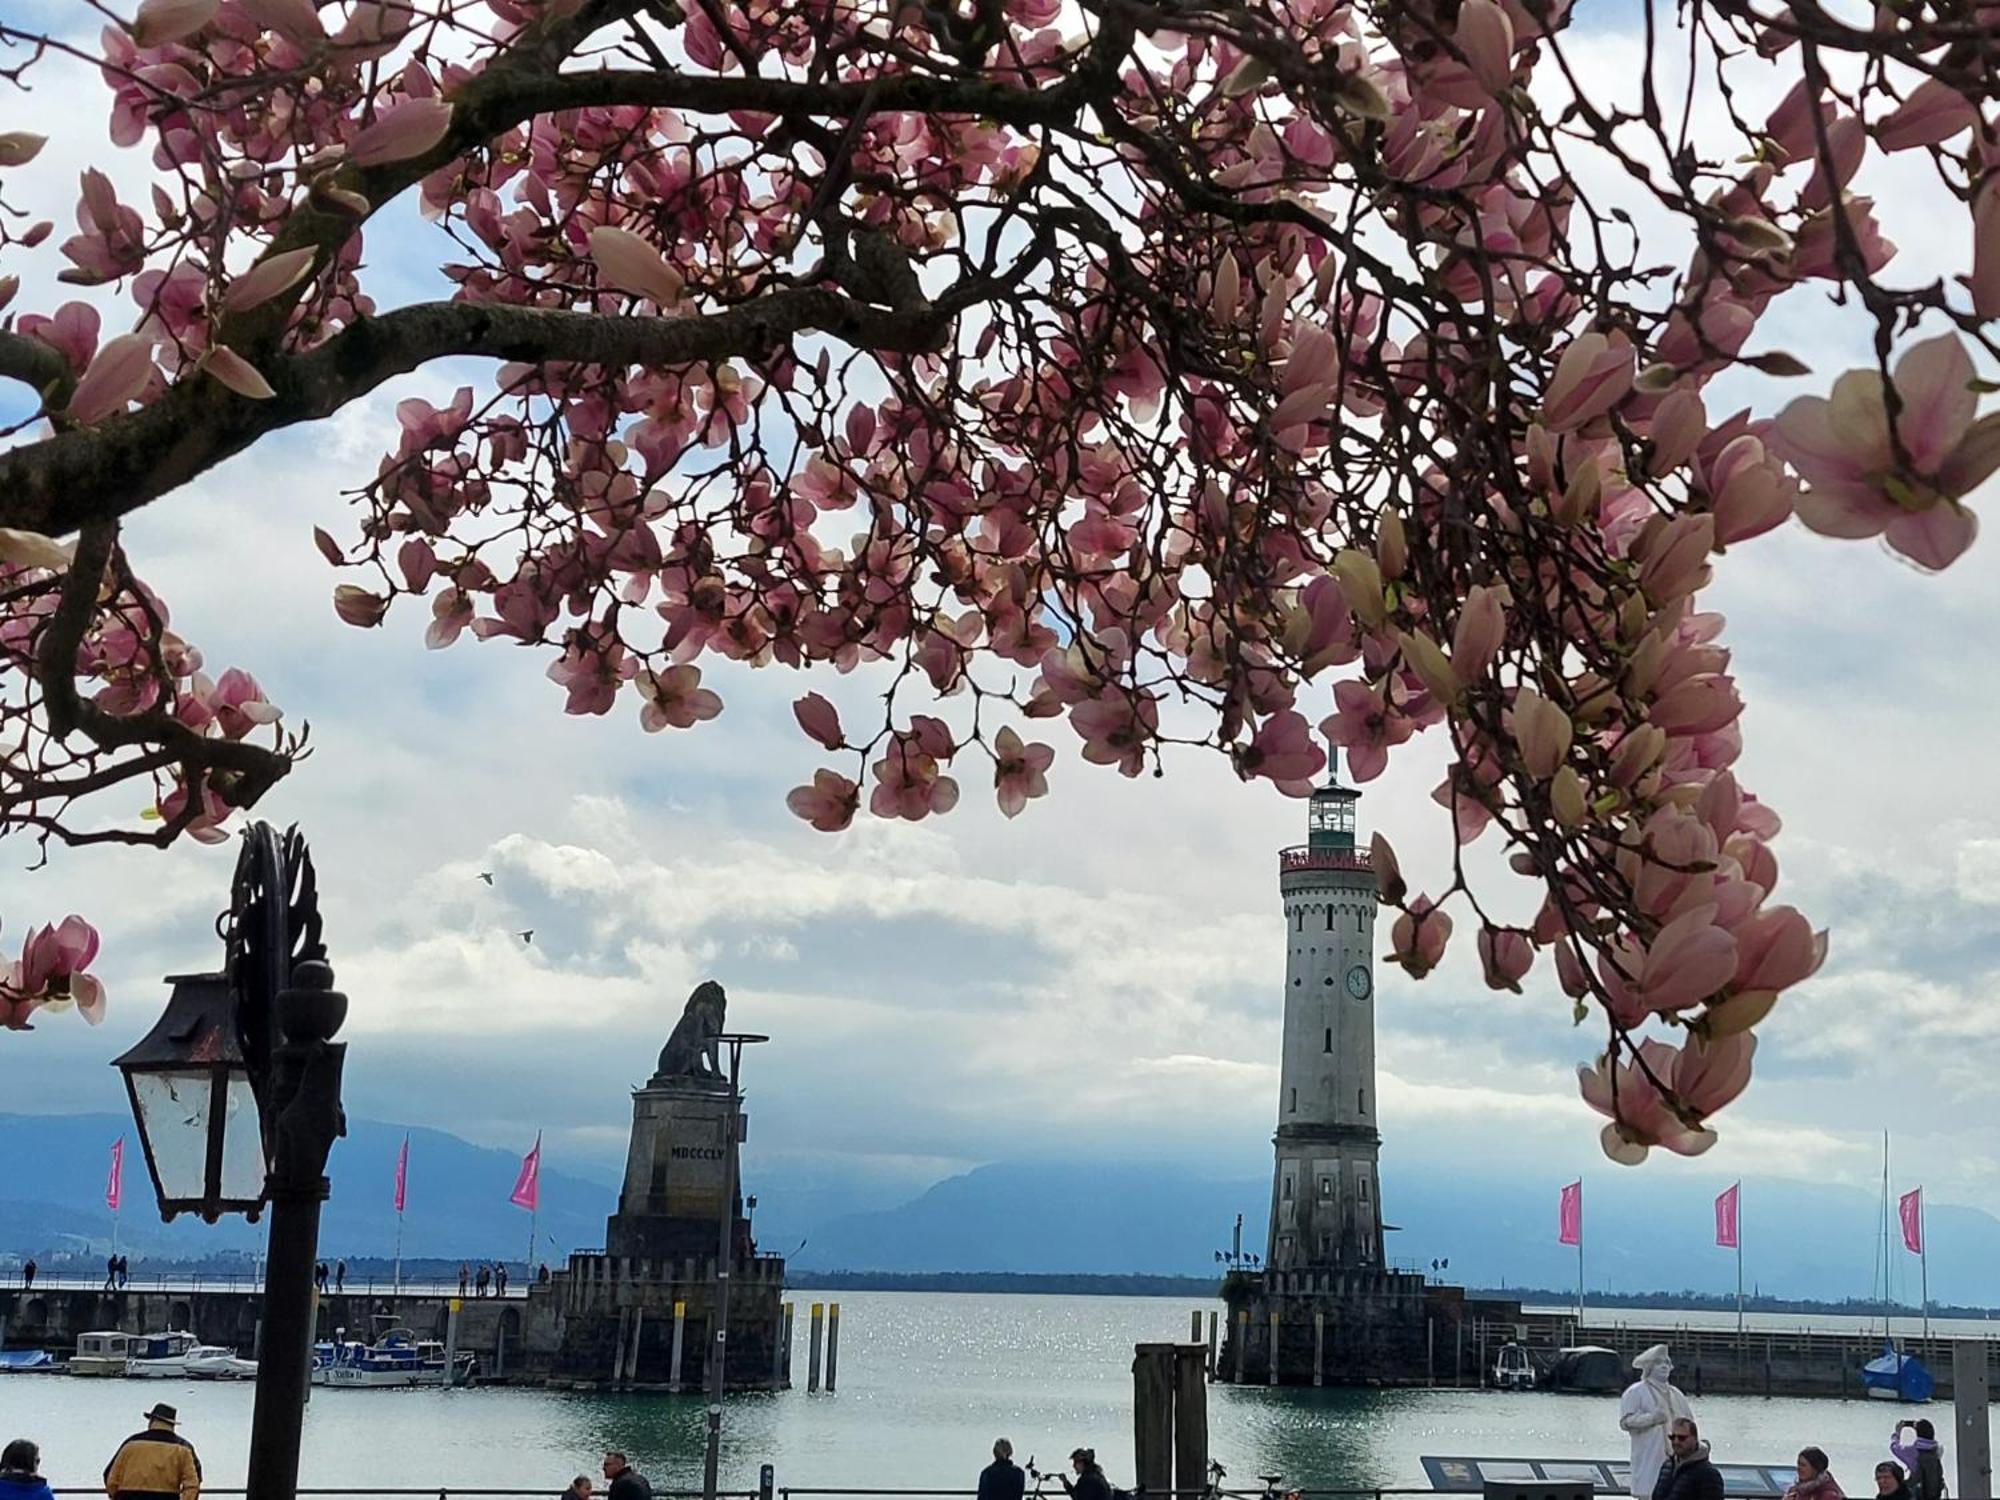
(1593, 375)
(1482, 626)
(632, 265)
(163, 21)
(1283, 751)
(1418, 938)
(1543, 731)
(50, 974)
(1019, 770)
(909, 783)
(240, 705)
(114, 379)
(675, 699)
(1116, 730)
(829, 803)
(1704, 1076)
(1930, 115)
(818, 718)
(1506, 954)
(403, 130)
(1365, 727)
(1856, 485)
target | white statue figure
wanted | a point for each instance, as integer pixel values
(1649, 1404)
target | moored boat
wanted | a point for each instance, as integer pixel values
(28, 1362)
(159, 1356)
(101, 1353)
(211, 1362)
(1511, 1369)
(398, 1358)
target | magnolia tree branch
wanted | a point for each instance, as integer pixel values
(82, 477)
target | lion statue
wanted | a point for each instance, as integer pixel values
(691, 1051)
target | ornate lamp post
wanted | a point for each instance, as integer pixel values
(236, 1093)
(725, 1256)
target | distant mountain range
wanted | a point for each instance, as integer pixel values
(1494, 1221)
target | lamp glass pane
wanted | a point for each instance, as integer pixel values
(173, 1111)
(242, 1144)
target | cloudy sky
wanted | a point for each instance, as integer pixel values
(1099, 978)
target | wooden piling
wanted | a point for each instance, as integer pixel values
(1273, 1347)
(450, 1340)
(1211, 1343)
(785, 1349)
(813, 1345)
(1194, 1335)
(1153, 1418)
(1969, 1397)
(1319, 1346)
(680, 1346)
(1242, 1341)
(832, 1343)
(1458, 1353)
(1190, 1420)
(1430, 1351)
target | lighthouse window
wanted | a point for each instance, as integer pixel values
(1329, 919)
(1364, 1189)
(1326, 1187)
(1361, 1101)
(1288, 1190)
(1295, 1101)
(1329, 1038)
(1302, 919)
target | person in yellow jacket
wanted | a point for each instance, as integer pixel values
(157, 1464)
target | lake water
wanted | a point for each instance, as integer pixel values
(927, 1380)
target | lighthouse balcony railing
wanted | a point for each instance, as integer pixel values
(1306, 857)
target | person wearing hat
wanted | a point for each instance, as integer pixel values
(157, 1464)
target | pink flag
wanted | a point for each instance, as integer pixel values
(1911, 1207)
(1569, 1221)
(114, 1190)
(1725, 1218)
(403, 1175)
(528, 1186)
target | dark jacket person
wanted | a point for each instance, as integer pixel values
(1090, 1483)
(1687, 1474)
(157, 1464)
(625, 1482)
(1002, 1479)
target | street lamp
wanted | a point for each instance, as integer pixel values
(236, 1093)
(725, 1254)
(196, 1111)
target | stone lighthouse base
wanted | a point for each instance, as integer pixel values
(1323, 1327)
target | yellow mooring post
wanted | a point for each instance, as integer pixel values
(813, 1346)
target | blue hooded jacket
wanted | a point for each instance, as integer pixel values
(15, 1485)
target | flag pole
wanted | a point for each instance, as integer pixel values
(534, 1213)
(1739, 1265)
(1924, 1262)
(1579, 1257)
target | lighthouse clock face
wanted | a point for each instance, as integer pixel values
(1357, 982)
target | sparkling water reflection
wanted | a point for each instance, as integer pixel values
(926, 1382)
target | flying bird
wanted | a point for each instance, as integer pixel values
(487, 876)
(528, 936)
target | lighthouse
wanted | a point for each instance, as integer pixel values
(1326, 1188)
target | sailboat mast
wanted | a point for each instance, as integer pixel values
(1885, 1235)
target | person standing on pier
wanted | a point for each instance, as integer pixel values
(1922, 1458)
(340, 1276)
(626, 1482)
(464, 1276)
(1816, 1481)
(1648, 1406)
(28, 1275)
(1002, 1479)
(1687, 1474)
(110, 1273)
(157, 1464)
(20, 1479)
(1890, 1483)
(481, 1282)
(1090, 1482)
(500, 1278)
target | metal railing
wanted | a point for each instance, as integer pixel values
(250, 1281)
(1305, 857)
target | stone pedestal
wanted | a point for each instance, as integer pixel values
(676, 1172)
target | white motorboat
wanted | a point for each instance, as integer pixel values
(101, 1353)
(211, 1362)
(159, 1356)
(1512, 1370)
